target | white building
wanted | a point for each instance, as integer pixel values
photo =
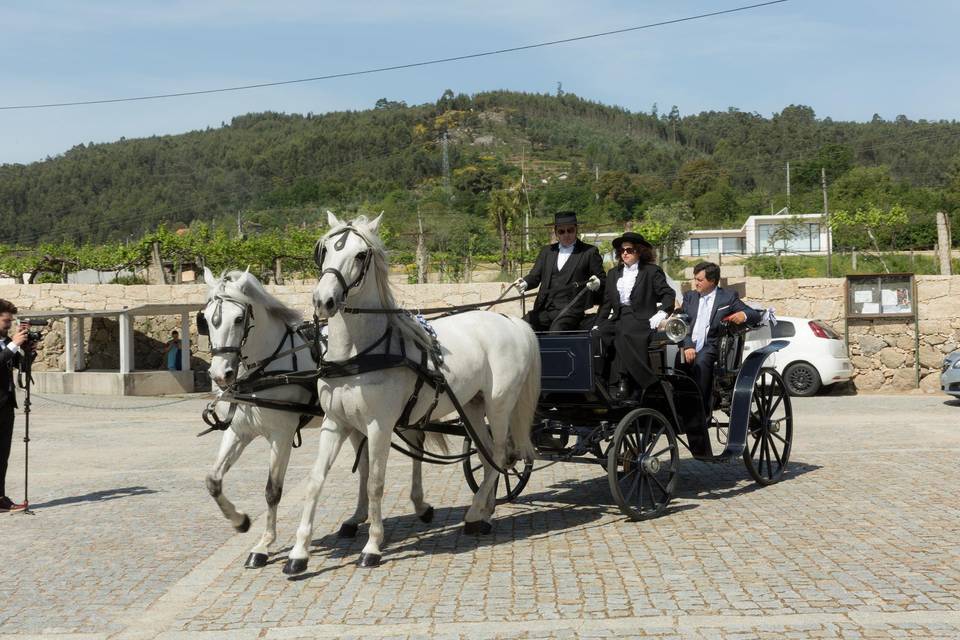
(804, 233)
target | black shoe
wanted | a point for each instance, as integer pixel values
(6, 504)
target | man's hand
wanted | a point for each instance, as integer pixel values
(593, 283)
(20, 337)
(689, 355)
(737, 318)
(521, 285)
(657, 318)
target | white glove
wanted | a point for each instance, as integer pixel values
(593, 283)
(521, 285)
(657, 318)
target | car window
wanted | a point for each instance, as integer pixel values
(784, 329)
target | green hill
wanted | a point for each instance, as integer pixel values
(606, 162)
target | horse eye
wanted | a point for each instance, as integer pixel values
(361, 256)
(238, 320)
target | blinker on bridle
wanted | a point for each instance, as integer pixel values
(320, 253)
(217, 319)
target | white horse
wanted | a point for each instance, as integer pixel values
(491, 362)
(248, 325)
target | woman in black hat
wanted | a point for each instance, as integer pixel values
(560, 271)
(637, 298)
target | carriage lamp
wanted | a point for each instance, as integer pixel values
(677, 327)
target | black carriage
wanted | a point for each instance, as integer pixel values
(639, 440)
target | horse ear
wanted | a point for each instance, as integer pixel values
(332, 220)
(375, 223)
(208, 276)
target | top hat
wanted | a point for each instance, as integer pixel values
(564, 217)
(631, 236)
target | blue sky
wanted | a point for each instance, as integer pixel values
(848, 59)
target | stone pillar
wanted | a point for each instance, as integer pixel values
(185, 341)
(68, 344)
(80, 360)
(126, 343)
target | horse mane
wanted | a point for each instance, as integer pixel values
(380, 263)
(244, 287)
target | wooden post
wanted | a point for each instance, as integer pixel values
(944, 243)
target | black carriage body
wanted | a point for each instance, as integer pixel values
(576, 414)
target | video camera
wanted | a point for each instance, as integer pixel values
(34, 335)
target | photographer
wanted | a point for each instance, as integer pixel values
(11, 351)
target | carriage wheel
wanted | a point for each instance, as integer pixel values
(771, 429)
(509, 485)
(643, 463)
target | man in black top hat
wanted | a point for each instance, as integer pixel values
(561, 270)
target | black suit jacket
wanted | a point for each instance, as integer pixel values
(583, 263)
(8, 360)
(726, 302)
(650, 288)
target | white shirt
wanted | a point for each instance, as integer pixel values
(563, 255)
(9, 344)
(626, 281)
(702, 326)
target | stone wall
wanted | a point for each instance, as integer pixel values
(882, 351)
(101, 335)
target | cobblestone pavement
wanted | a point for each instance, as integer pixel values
(862, 540)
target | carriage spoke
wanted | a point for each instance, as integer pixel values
(654, 440)
(778, 437)
(653, 500)
(770, 474)
(506, 482)
(636, 484)
(659, 484)
(776, 404)
(756, 443)
(669, 447)
(776, 454)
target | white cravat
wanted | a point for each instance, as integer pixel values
(626, 281)
(563, 255)
(702, 326)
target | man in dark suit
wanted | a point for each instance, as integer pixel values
(637, 297)
(708, 305)
(560, 271)
(10, 353)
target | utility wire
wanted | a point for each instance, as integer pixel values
(396, 67)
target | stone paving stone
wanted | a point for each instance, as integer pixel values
(868, 519)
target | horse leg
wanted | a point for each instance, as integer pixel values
(352, 524)
(231, 446)
(280, 447)
(475, 520)
(378, 445)
(332, 436)
(423, 509)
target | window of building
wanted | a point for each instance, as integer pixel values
(732, 245)
(704, 246)
(797, 238)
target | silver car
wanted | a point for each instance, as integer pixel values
(950, 378)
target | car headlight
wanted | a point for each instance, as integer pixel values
(956, 365)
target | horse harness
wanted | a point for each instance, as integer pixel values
(256, 377)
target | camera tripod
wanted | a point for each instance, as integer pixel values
(24, 382)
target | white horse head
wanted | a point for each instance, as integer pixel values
(345, 255)
(233, 301)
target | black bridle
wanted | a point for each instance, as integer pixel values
(217, 319)
(320, 254)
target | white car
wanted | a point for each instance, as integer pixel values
(815, 358)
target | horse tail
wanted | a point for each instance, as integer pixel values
(521, 418)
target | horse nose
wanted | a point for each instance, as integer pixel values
(229, 375)
(329, 305)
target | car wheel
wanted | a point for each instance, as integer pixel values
(802, 379)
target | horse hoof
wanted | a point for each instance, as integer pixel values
(481, 527)
(348, 530)
(244, 526)
(294, 566)
(368, 560)
(256, 561)
(426, 516)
